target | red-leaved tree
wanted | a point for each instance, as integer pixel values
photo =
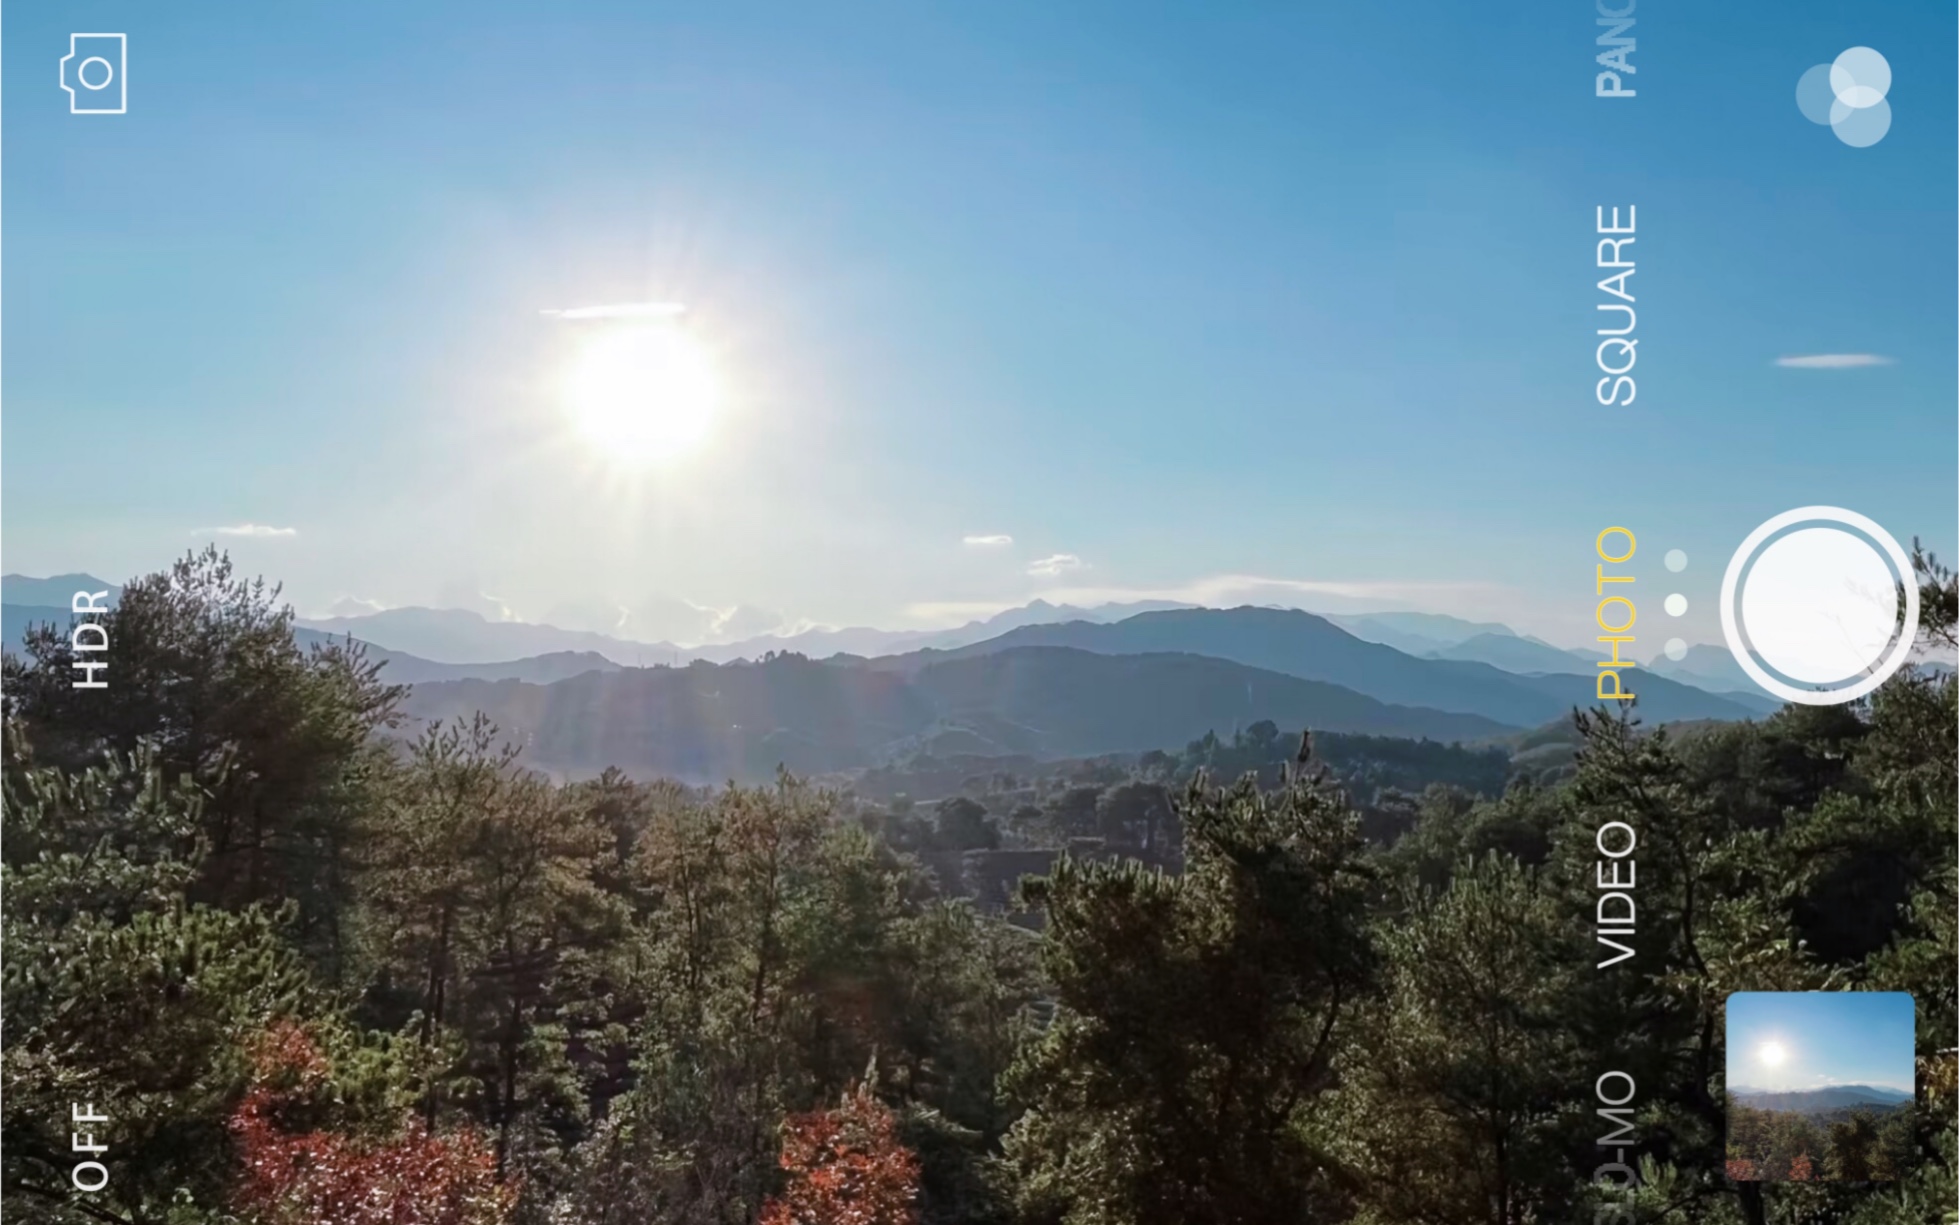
(845, 1167)
(325, 1178)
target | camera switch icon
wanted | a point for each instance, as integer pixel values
(94, 74)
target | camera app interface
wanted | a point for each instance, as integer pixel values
(1072, 613)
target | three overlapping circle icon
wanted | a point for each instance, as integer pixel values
(1848, 96)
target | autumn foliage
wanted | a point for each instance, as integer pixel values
(1801, 1169)
(326, 1178)
(845, 1167)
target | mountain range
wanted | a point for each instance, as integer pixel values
(1075, 688)
(1311, 647)
(1516, 653)
(708, 722)
(1820, 1101)
(452, 635)
(1710, 667)
(423, 639)
(1416, 633)
(1042, 679)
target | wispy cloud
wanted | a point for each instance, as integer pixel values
(744, 621)
(465, 594)
(997, 541)
(257, 531)
(1055, 564)
(619, 310)
(1834, 361)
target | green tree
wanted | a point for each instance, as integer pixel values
(1852, 1150)
(478, 901)
(964, 825)
(120, 995)
(1197, 1020)
(1137, 814)
(205, 670)
(1463, 1092)
(1072, 815)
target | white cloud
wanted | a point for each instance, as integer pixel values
(663, 618)
(1834, 361)
(744, 621)
(1055, 564)
(996, 541)
(620, 310)
(257, 531)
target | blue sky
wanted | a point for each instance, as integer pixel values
(1823, 1038)
(1250, 305)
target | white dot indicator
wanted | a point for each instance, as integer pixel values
(1819, 605)
(1676, 649)
(1676, 560)
(1676, 605)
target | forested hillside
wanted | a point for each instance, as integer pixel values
(316, 964)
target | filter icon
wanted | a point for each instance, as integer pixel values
(1847, 95)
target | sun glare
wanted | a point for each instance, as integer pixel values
(643, 394)
(1771, 1054)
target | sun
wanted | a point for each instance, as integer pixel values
(1771, 1054)
(643, 394)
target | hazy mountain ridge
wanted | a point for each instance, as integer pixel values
(459, 636)
(462, 636)
(1073, 688)
(1819, 1101)
(1498, 674)
(1519, 654)
(1415, 633)
(405, 669)
(1311, 647)
(401, 668)
(710, 722)
(56, 591)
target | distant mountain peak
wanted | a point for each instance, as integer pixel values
(55, 591)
